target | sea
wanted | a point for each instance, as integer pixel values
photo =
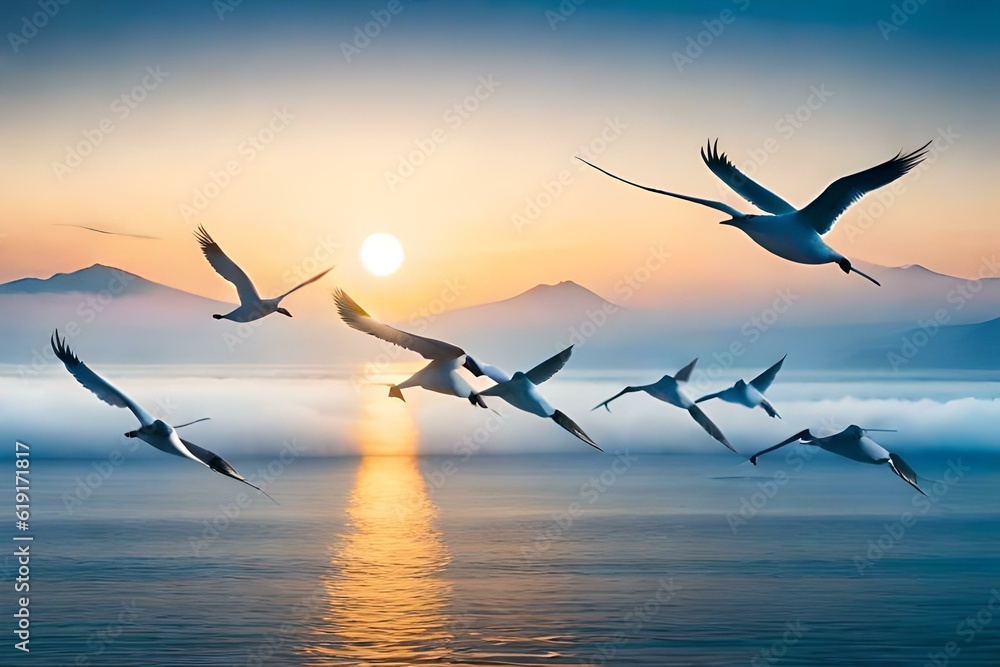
(431, 532)
(570, 559)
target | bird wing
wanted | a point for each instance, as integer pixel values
(356, 318)
(110, 233)
(684, 374)
(571, 426)
(103, 389)
(709, 426)
(717, 205)
(220, 465)
(900, 467)
(801, 435)
(764, 380)
(742, 184)
(226, 267)
(822, 212)
(549, 367)
(626, 390)
(307, 282)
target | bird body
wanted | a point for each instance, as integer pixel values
(442, 377)
(252, 306)
(788, 237)
(852, 443)
(523, 394)
(791, 233)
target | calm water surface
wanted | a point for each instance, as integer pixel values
(520, 560)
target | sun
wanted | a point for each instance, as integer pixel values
(381, 254)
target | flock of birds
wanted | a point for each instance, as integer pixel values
(790, 233)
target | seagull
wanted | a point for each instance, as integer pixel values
(521, 391)
(441, 375)
(152, 431)
(853, 443)
(790, 233)
(252, 307)
(750, 394)
(671, 390)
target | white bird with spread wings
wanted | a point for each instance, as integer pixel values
(152, 431)
(521, 391)
(671, 389)
(852, 443)
(791, 233)
(441, 375)
(252, 307)
(750, 394)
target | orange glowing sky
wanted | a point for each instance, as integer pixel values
(322, 181)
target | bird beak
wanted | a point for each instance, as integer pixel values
(731, 222)
(130, 434)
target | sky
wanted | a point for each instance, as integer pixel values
(292, 136)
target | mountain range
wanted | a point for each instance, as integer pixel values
(918, 319)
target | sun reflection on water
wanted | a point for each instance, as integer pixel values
(387, 600)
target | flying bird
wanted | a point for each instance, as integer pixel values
(671, 390)
(750, 394)
(853, 443)
(791, 233)
(252, 307)
(521, 391)
(110, 233)
(441, 375)
(152, 431)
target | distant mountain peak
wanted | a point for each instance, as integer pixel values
(91, 279)
(563, 289)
